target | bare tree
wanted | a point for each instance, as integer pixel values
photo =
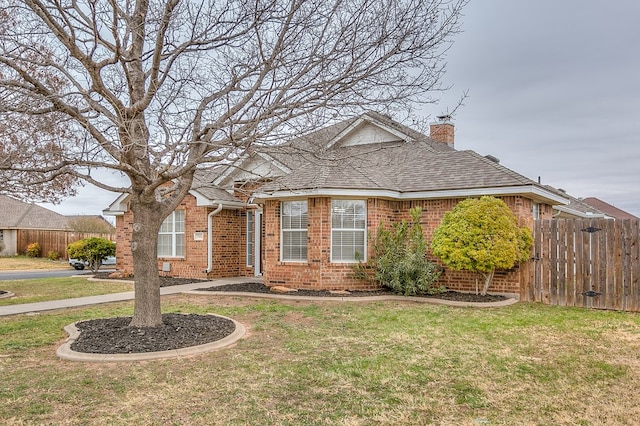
(91, 224)
(154, 88)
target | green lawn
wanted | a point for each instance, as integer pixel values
(337, 363)
(45, 289)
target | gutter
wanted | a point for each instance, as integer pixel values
(210, 237)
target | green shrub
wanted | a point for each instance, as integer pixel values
(399, 259)
(33, 250)
(481, 235)
(93, 250)
(53, 255)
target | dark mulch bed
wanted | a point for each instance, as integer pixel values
(253, 287)
(164, 281)
(114, 336)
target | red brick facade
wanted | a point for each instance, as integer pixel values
(319, 273)
(229, 244)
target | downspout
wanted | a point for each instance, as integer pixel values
(210, 237)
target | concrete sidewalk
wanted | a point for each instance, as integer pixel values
(26, 308)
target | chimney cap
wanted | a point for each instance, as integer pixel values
(444, 118)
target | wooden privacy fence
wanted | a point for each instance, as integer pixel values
(53, 240)
(593, 263)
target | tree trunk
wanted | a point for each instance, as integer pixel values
(144, 247)
(487, 281)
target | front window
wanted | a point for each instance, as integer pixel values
(171, 235)
(293, 247)
(348, 230)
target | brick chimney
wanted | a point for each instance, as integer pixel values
(442, 130)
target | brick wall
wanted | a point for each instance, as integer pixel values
(229, 244)
(319, 273)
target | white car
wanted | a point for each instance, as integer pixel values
(80, 264)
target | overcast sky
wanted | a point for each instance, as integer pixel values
(554, 91)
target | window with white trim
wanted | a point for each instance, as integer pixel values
(348, 230)
(171, 235)
(250, 232)
(293, 231)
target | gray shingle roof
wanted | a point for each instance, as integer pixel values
(414, 164)
(403, 167)
(15, 214)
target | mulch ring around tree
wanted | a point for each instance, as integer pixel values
(115, 336)
(255, 287)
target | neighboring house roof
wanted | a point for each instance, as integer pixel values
(15, 214)
(575, 208)
(608, 209)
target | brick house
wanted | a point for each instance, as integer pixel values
(299, 214)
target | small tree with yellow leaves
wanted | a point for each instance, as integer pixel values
(481, 235)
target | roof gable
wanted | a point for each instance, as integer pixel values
(366, 130)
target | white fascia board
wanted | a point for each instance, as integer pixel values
(202, 201)
(113, 212)
(118, 207)
(275, 162)
(530, 190)
(230, 169)
(345, 132)
(391, 130)
(585, 215)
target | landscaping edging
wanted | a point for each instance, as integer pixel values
(430, 300)
(65, 351)
(6, 294)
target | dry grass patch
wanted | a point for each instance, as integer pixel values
(340, 364)
(45, 289)
(24, 263)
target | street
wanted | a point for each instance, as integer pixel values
(44, 273)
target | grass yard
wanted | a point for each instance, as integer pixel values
(13, 263)
(45, 289)
(336, 363)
